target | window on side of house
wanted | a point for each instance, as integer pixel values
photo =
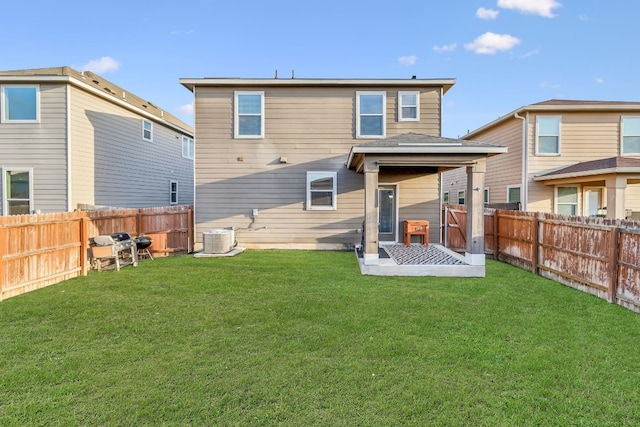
(408, 106)
(322, 190)
(630, 135)
(188, 147)
(445, 197)
(20, 104)
(461, 197)
(567, 200)
(17, 191)
(513, 195)
(147, 130)
(173, 192)
(248, 114)
(486, 195)
(548, 135)
(371, 114)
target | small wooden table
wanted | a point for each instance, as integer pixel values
(418, 228)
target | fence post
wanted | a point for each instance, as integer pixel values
(534, 244)
(3, 250)
(84, 245)
(190, 230)
(139, 229)
(496, 248)
(612, 289)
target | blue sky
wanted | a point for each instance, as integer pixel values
(503, 53)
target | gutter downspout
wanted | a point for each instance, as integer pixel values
(69, 162)
(524, 195)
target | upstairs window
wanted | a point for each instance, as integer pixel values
(321, 190)
(20, 103)
(548, 135)
(370, 114)
(631, 135)
(249, 115)
(147, 130)
(188, 147)
(409, 106)
(17, 191)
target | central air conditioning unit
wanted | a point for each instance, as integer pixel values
(219, 241)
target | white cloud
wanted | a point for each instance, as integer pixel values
(547, 85)
(583, 17)
(446, 48)
(533, 7)
(186, 109)
(487, 14)
(530, 53)
(599, 80)
(491, 43)
(408, 60)
(102, 65)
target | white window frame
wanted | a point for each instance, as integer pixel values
(401, 117)
(623, 135)
(464, 197)
(538, 135)
(512, 187)
(334, 191)
(5, 200)
(3, 104)
(188, 147)
(384, 113)
(173, 192)
(149, 130)
(236, 115)
(555, 199)
(445, 197)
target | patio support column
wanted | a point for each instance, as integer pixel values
(475, 213)
(370, 212)
(616, 188)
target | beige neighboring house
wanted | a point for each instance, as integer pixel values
(69, 138)
(325, 163)
(565, 156)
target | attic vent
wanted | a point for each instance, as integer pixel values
(96, 82)
(218, 241)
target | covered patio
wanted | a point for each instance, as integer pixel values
(429, 155)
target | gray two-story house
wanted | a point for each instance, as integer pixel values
(70, 138)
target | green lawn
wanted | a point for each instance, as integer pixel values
(296, 338)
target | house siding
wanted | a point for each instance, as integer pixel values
(314, 129)
(42, 147)
(113, 166)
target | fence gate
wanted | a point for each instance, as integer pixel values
(455, 227)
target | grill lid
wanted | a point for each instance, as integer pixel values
(119, 237)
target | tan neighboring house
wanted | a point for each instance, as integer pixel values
(69, 138)
(565, 156)
(324, 163)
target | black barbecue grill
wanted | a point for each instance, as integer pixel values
(142, 243)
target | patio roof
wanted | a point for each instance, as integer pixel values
(611, 165)
(415, 149)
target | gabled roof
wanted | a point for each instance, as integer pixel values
(191, 83)
(99, 86)
(593, 167)
(561, 105)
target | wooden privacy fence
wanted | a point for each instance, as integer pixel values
(596, 255)
(40, 250)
